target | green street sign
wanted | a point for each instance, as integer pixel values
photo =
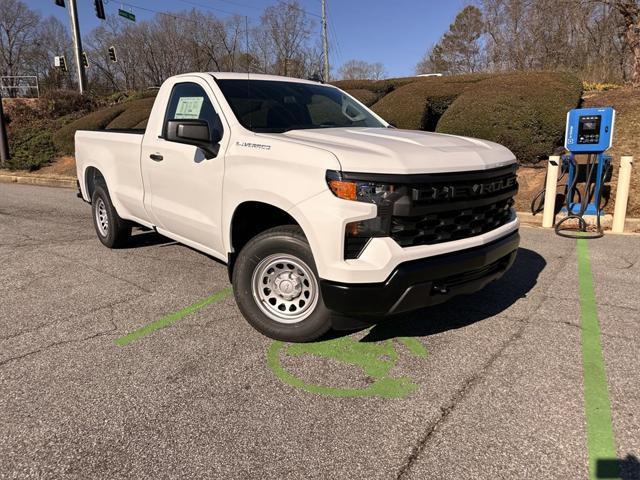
(127, 15)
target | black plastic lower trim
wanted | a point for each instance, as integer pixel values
(427, 281)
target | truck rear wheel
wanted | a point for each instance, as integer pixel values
(112, 230)
(276, 286)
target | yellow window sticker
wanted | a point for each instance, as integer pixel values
(189, 108)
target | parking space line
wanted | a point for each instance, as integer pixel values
(171, 318)
(600, 439)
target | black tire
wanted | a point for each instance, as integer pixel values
(115, 232)
(286, 242)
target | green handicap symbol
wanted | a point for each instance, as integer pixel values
(376, 359)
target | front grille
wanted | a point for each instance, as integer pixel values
(455, 208)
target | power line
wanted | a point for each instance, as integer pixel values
(195, 4)
(208, 7)
(334, 34)
(336, 42)
(166, 14)
(335, 46)
(244, 5)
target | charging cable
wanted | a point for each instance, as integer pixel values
(584, 200)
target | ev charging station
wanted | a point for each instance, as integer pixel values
(589, 132)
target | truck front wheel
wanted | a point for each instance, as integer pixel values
(112, 230)
(276, 286)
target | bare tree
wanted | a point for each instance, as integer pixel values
(378, 71)
(361, 70)
(587, 37)
(103, 73)
(18, 29)
(629, 10)
(288, 29)
(52, 40)
(170, 43)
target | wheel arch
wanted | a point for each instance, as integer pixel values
(250, 218)
(93, 176)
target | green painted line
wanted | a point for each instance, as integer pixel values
(375, 359)
(171, 318)
(600, 439)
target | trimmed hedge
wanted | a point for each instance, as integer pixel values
(137, 111)
(526, 112)
(30, 123)
(419, 105)
(58, 103)
(64, 137)
(132, 113)
(379, 87)
(365, 96)
(130, 95)
(31, 147)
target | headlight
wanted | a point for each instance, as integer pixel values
(357, 234)
(361, 191)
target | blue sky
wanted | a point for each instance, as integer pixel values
(396, 33)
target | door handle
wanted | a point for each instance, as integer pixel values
(157, 157)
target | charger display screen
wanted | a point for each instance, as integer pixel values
(589, 129)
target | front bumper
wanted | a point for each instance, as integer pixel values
(427, 281)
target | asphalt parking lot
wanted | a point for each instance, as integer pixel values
(486, 386)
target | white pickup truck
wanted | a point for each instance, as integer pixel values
(323, 212)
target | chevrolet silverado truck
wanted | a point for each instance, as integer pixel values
(323, 212)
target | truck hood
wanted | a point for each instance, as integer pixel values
(395, 151)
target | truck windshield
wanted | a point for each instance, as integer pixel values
(276, 107)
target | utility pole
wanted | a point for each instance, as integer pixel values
(325, 42)
(77, 45)
(4, 143)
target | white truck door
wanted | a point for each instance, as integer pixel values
(183, 188)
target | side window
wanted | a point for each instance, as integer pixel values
(189, 101)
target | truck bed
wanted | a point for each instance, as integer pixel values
(116, 154)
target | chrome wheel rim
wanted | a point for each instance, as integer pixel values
(102, 219)
(284, 288)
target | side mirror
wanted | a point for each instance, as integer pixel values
(194, 132)
(216, 136)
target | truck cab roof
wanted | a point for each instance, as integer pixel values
(258, 76)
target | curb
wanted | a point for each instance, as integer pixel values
(36, 180)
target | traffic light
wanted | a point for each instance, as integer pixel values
(85, 60)
(99, 9)
(60, 3)
(60, 63)
(112, 54)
